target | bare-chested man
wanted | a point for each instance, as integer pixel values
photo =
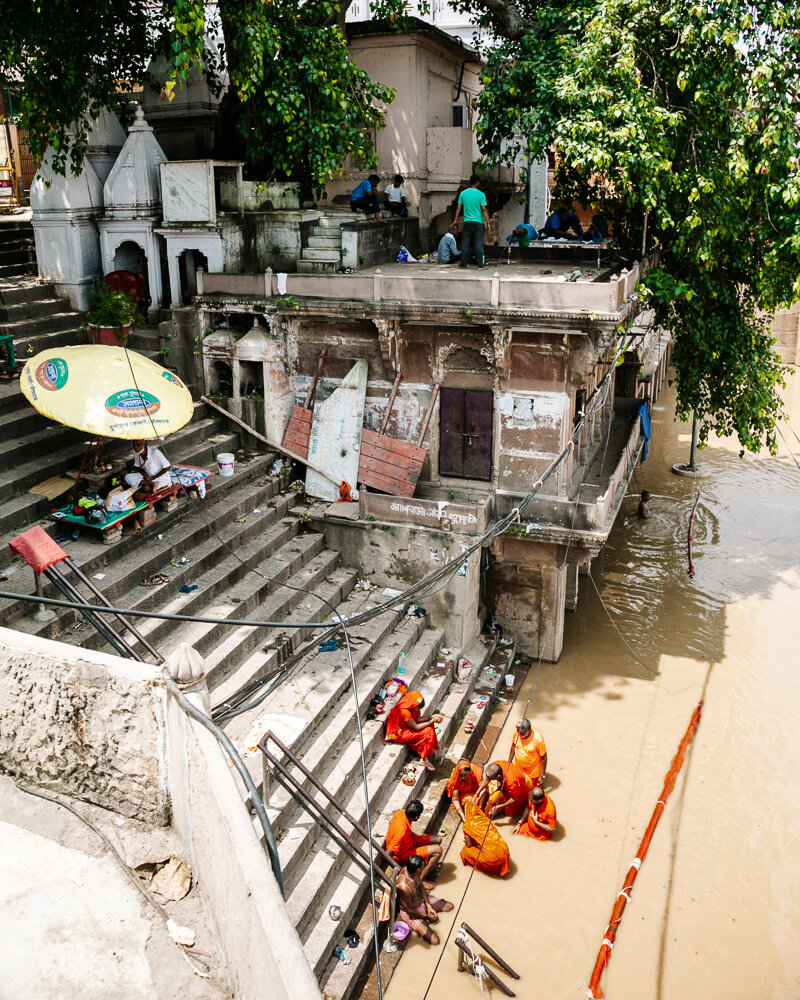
(415, 905)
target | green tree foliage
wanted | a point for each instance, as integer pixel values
(680, 119)
(299, 104)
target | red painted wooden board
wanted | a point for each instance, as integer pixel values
(389, 465)
(298, 433)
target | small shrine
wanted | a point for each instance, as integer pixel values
(128, 238)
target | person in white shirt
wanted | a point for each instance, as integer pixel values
(396, 197)
(151, 469)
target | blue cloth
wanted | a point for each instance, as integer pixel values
(364, 188)
(644, 419)
(553, 222)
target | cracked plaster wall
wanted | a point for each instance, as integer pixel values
(83, 723)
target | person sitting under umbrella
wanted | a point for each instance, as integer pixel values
(151, 469)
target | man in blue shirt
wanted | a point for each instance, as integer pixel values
(365, 198)
(523, 234)
(561, 222)
(472, 201)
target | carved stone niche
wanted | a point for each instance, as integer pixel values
(459, 362)
(388, 333)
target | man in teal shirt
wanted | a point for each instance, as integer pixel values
(472, 201)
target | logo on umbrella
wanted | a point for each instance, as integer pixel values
(132, 403)
(172, 378)
(52, 374)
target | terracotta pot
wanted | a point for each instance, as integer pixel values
(113, 336)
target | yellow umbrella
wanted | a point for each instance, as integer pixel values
(107, 392)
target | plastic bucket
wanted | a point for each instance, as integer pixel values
(401, 930)
(225, 459)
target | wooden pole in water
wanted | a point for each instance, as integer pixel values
(604, 954)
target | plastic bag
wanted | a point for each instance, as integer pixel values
(405, 256)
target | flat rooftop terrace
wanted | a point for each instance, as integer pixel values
(538, 287)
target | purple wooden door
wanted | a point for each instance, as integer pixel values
(465, 433)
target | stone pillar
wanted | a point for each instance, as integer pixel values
(175, 294)
(526, 594)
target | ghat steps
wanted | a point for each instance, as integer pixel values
(248, 555)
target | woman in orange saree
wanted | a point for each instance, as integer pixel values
(484, 847)
(463, 784)
(404, 724)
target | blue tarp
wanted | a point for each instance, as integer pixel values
(644, 418)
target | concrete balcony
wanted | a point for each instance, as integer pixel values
(511, 291)
(605, 483)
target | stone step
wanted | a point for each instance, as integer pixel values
(8, 271)
(17, 419)
(309, 253)
(29, 329)
(247, 654)
(276, 548)
(346, 982)
(317, 266)
(32, 310)
(265, 657)
(20, 477)
(11, 253)
(335, 757)
(174, 534)
(196, 444)
(336, 219)
(325, 242)
(212, 567)
(15, 232)
(300, 597)
(33, 440)
(26, 289)
(344, 882)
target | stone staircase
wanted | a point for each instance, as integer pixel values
(247, 551)
(324, 250)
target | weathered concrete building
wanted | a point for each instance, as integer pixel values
(511, 359)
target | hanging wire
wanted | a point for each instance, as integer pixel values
(346, 634)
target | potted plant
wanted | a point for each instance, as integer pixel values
(111, 316)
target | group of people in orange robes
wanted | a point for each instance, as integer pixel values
(512, 788)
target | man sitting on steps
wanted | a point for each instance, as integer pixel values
(414, 906)
(402, 843)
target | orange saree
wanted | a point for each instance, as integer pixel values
(407, 709)
(494, 856)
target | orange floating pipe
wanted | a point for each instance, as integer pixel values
(604, 954)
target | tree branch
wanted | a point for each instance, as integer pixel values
(509, 22)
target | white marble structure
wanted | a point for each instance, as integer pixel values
(195, 224)
(133, 209)
(259, 348)
(65, 210)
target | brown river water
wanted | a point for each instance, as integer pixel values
(715, 911)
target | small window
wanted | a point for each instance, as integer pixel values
(460, 117)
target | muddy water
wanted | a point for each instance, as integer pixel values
(716, 907)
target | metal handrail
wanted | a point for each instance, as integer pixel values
(262, 746)
(311, 806)
(322, 818)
